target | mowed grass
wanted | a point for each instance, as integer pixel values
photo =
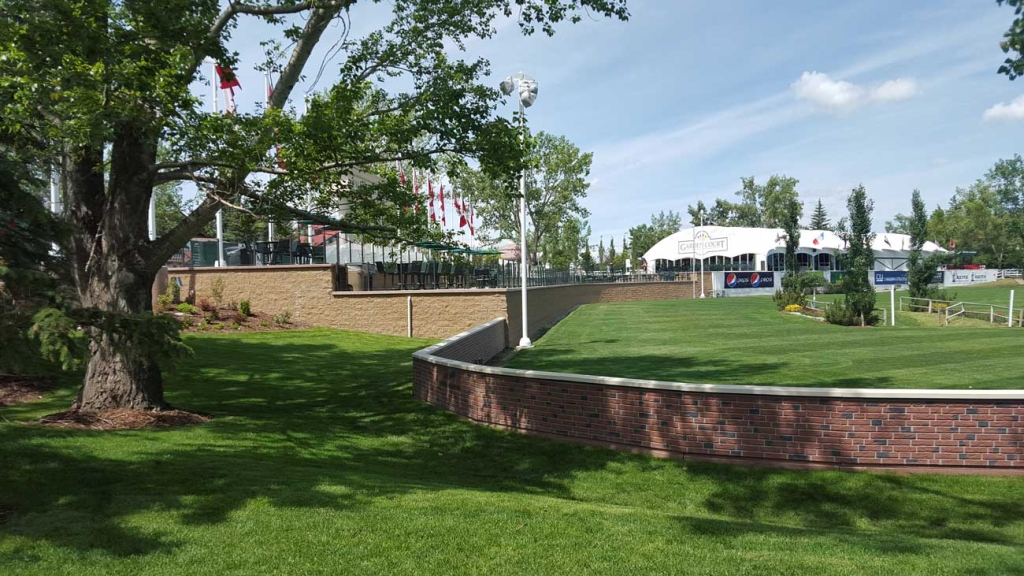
(319, 461)
(746, 341)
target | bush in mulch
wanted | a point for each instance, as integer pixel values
(123, 419)
(18, 389)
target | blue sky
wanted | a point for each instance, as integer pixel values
(687, 97)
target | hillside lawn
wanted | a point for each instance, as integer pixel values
(319, 461)
(747, 341)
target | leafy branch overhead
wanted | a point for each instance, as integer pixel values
(104, 89)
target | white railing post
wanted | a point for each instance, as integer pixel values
(1009, 312)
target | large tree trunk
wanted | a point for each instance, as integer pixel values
(111, 270)
(118, 375)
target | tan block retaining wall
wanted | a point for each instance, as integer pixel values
(305, 292)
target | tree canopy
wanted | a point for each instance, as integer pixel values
(104, 85)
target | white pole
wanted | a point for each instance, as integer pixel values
(701, 257)
(54, 199)
(266, 106)
(1009, 312)
(524, 342)
(220, 213)
(892, 303)
(153, 217)
(220, 238)
(408, 315)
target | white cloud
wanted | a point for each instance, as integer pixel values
(896, 90)
(842, 96)
(1004, 112)
(836, 95)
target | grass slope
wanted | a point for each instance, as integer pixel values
(320, 462)
(746, 341)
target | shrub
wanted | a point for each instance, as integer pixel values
(186, 322)
(217, 291)
(186, 308)
(939, 306)
(218, 326)
(285, 317)
(206, 306)
(794, 308)
(784, 298)
(264, 324)
(841, 313)
(164, 301)
(203, 325)
(173, 290)
(212, 316)
(244, 309)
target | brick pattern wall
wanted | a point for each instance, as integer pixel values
(983, 435)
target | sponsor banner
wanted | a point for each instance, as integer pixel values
(749, 280)
(937, 277)
(966, 277)
(703, 243)
(890, 277)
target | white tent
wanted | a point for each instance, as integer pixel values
(734, 248)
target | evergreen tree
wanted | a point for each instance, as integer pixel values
(611, 252)
(860, 258)
(920, 271)
(793, 282)
(600, 251)
(819, 218)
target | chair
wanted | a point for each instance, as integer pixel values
(319, 254)
(428, 274)
(282, 252)
(265, 251)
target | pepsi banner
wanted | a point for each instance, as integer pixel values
(890, 277)
(750, 279)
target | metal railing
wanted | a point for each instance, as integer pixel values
(994, 313)
(821, 305)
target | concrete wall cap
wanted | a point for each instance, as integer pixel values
(428, 354)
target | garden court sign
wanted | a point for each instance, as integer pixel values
(703, 243)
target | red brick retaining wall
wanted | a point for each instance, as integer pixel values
(826, 427)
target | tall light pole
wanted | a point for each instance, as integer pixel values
(527, 95)
(701, 255)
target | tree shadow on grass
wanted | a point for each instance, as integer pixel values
(910, 504)
(323, 426)
(291, 421)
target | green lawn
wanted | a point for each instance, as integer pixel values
(318, 461)
(746, 341)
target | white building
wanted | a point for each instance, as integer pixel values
(734, 249)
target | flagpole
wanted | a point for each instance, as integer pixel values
(220, 212)
(266, 106)
(701, 256)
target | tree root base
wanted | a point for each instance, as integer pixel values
(122, 419)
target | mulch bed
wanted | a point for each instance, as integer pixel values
(123, 419)
(19, 389)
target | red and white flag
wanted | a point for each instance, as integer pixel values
(462, 212)
(228, 83)
(416, 191)
(440, 196)
(430, 196)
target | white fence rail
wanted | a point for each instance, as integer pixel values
(820, 305)
(950, 311)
